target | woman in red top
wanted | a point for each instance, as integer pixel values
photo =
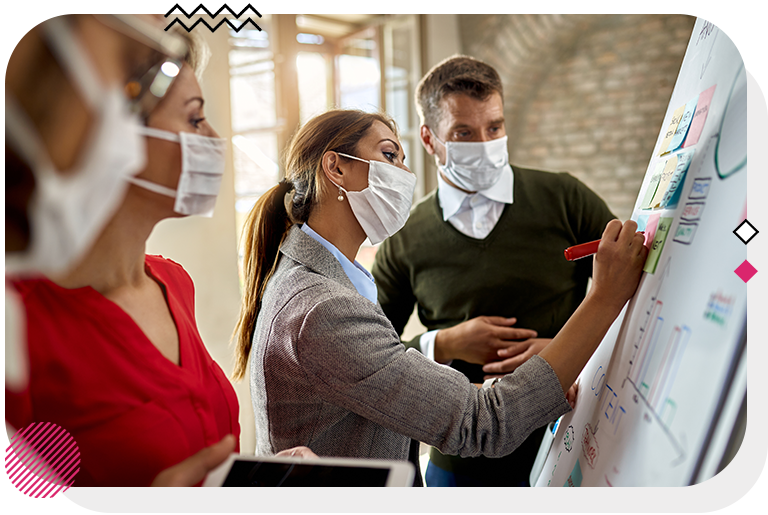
(115, 355)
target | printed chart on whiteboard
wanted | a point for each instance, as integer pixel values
(654, 395)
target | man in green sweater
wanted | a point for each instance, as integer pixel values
(482, 256)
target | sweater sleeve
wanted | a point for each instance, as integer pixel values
(393, 284)
(588, 213)
(354, 359)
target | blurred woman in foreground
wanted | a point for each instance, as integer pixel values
(116, 358)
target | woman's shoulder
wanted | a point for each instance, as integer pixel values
(299, 289)
(162, 262)
(170, 273)
(24, 287)
(158, 263)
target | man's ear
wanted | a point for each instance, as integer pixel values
(331, 162)
(427, 139)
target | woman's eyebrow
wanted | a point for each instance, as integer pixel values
(397, 147)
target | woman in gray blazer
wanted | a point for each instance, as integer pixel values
(327, 369)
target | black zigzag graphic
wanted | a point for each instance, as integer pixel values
(169, 8)
(213, 29)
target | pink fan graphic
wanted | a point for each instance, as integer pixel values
(42, 460)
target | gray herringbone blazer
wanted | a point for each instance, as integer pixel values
(329, 371)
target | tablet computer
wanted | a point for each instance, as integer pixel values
(243, 470)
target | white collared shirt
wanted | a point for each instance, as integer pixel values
(472, 214)
(475, 214)
(361, 278)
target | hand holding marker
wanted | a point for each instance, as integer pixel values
(584, 250)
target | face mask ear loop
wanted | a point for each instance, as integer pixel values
(340, 198)
(151, 186)
(159, 134)
(353, 157)
(436, 138)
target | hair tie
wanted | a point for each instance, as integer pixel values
(285, 185)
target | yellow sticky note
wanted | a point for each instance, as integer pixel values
(676, 117)
(666, 176)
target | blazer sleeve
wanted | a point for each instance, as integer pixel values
(354, 358)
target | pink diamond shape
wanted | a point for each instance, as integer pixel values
(745, 271)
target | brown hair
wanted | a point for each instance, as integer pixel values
(198, 52)
(268, 222)
(457, 74)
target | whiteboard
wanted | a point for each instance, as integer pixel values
(658, 398)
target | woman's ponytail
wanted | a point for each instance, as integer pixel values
(264, 231)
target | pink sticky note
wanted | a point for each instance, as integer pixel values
(650, 228)
(699, 117)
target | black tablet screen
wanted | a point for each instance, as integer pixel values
(259, 473)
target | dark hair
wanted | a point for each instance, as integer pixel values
(457, 74)
(290, 202)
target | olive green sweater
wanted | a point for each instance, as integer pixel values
(517, 270)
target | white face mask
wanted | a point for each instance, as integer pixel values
(474, 165)
(68, 211)
(202, 167)
(383, 207)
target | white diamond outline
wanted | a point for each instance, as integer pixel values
(741, 225)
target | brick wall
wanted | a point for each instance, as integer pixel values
(583, 93)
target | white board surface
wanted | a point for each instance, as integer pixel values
(656, 400)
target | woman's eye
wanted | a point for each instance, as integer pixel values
(196, 122)
(391, 156)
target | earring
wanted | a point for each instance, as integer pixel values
(340, 197)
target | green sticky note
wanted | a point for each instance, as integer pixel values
(650, 191)
(658, 244)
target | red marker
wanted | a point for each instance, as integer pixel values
(583, 250)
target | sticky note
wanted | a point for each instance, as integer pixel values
(642, 222)
(672, 195)
(671, 129)
(699, 117)
(658, 244)
(682, 127)
(576, 477)
(650, 190)
(666, 178)
(650, 229)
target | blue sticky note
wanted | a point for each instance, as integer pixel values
(642, 222)
(576, 477)
(682, 127)
(675, 188)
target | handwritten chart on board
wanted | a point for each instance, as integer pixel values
(653, 391)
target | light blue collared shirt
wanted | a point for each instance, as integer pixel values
(361, 279)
